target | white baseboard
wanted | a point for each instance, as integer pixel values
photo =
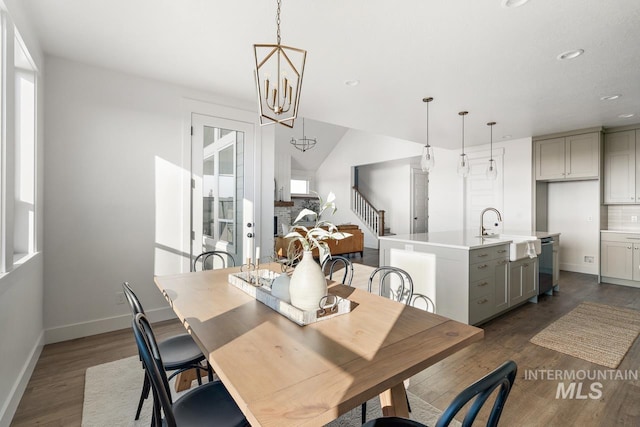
(100, 326)
(580, 268)
(11, 404)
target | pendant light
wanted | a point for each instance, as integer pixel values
(492, 169)
(278, 73)
(463, 163)
(303, 144)
(427, 161)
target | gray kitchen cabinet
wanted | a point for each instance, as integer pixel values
(621, 160)
(568, 158)
(616, 259)
(523, 280)
(487, 278)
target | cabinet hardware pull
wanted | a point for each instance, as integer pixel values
(483, 284)
(482, 266)
(503, 262)
(526, 265)
(484, 301)
(628, 247)
(502, 251)
(482, 255)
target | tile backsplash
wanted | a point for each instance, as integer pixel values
(624, 217)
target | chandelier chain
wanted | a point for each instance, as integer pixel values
(278, 20)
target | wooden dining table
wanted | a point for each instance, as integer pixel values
(283, 374)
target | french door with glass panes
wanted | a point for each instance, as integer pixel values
(218, 185)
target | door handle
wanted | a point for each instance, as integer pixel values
(415, 218)
(249, 235)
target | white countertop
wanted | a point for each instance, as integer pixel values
(462, 239)
(621, 231)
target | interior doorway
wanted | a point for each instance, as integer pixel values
(419, 201)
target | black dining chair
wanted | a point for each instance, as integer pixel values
(208, 404)
(402, 291)
(179, 353)
(335, 263)
(476, 394)
(423, 302)
(207, 260)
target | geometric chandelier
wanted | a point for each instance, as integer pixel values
(303, 144)
(278, 74)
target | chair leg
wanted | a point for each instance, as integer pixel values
(143, 396)
(210, 372)
(408, 404)
(364, 412)
(199, 375)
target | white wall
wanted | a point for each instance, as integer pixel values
(388, 187)
(21, 290)
(117, 192)
(574, 211)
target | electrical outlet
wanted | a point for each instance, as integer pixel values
(588, 259)
(119, 298)
(634, 218)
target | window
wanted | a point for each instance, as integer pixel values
(302, 182)
(299, 186)
(18, 170)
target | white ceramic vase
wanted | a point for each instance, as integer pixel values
(280, 287)
(308, 284)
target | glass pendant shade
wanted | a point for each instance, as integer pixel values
(463, 166)
(492, 170)
(463, 162)
(427, 160)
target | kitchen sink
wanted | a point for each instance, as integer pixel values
(519, 246)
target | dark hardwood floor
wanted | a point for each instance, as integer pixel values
(55, 392)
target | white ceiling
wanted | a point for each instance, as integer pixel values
(498, 63)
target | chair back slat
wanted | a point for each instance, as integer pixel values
(337, 263)
(393, 283)
(206, 260)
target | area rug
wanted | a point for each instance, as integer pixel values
(598, 333)
(112, 391)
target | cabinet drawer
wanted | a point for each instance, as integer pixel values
(486, 254)
(481, 308)
(481, 270)
(481, 287)
(630, 238)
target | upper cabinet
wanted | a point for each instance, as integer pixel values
(568, 158)
(621, 163)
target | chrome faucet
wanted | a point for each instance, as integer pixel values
(483, 231)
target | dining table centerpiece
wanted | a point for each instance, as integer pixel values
(308, 284)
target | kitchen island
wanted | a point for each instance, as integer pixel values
(471, 279)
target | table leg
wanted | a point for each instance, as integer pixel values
(184, 380)
(394, 402)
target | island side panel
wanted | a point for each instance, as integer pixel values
(452, 275)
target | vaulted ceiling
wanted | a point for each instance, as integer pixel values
(499, 63)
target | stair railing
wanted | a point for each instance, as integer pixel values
(371, 216)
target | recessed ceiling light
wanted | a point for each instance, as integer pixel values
(352, 82)
(626, 116)
(609, 97)
(570, 54)
(513, 3)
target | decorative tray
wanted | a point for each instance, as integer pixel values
(246, 281)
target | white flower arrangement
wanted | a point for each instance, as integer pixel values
(316, 236)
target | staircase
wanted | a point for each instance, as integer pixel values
(372, 217)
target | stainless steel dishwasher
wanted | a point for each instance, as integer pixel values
(545, 275)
